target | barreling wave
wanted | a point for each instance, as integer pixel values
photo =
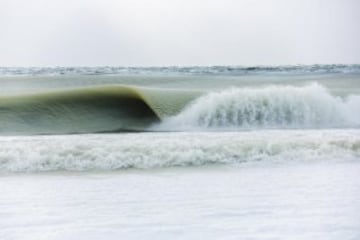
(311, 106)
(160, 150)
(97, 109)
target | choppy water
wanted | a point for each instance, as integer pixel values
(193, 70)
(197, 152)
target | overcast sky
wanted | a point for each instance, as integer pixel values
(178, 32)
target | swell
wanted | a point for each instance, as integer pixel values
(160, 150)
(89, 110)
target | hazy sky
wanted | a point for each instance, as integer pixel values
(178, 32)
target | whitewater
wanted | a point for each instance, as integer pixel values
(223, 152)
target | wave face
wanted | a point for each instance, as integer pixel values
(159, 150)
(270, 107)
(97, 109)
(195, 70)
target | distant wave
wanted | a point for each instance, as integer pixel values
(160, 150)
(193, 70)
(271, 107)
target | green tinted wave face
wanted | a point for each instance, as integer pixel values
(82, 111)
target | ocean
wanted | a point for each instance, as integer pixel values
(222, 152)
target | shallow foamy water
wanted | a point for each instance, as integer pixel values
(264, 184)
(286, 201)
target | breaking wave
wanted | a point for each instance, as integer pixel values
(122, 108)
(311, 106)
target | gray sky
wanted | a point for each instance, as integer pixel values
(178, 32)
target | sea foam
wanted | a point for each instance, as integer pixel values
(310, 106)
(159, 150)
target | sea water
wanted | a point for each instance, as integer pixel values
(261, 153)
